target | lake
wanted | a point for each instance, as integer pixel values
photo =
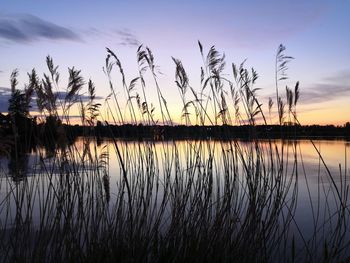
(293, 193)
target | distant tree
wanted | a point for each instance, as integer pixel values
(18, 166)
(52, 123)
(19, 105)
(19, 102)
(347, 128)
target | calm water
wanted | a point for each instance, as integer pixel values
(311, 187)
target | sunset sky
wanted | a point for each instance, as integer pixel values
(75, 33)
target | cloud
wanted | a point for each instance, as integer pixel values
(331, 88)
(27, 28)
(84, 98)
(5, 94)
(127, 38)
(4, 91)
(124, 36)
(95, 33)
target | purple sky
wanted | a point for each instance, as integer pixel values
(75, 33)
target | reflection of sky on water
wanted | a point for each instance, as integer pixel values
(310, 165)
(315, 198)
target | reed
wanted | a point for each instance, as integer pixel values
(166, 200)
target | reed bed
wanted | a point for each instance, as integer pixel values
(166, 200)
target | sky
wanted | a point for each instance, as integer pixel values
(76, 33)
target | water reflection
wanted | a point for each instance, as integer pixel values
(264, 187)
(334, 153)
(18, 165)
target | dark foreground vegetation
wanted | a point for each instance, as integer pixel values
(201, 201)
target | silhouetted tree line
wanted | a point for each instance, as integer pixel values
(52, 131)
(29, 134)
(221, 132)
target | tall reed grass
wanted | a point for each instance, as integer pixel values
(169, 201)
